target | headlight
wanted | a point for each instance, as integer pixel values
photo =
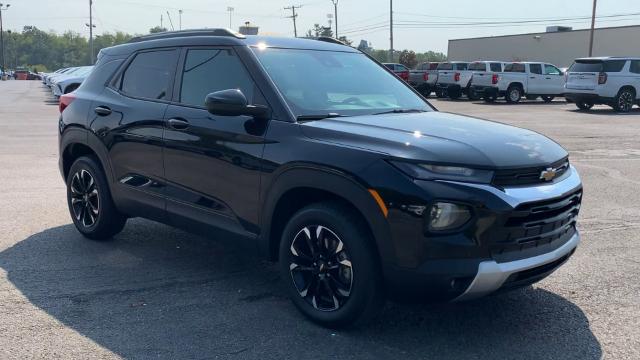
(447, 216)
(440, 172)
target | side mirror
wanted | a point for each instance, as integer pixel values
(232, 102)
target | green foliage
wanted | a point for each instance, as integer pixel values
(408, 58)
(318, 31)
(51, 51)
(157, 29)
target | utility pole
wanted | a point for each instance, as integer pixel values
(294, 16)
(593, 27)
(161, 21)
(230, 10)
(335, 11)
(180, 19)
(91, 27)
(391, 31)
(3, 7)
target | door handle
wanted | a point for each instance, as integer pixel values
(548, 78)
(103, 111)
(178, 124)
(532, 77)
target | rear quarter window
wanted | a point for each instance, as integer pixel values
(635, 67)
(517, 68)
(614, 65)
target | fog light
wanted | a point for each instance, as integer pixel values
(447, 216)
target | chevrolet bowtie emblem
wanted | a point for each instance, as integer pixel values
(549, 174)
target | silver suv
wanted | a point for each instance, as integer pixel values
(612, 81)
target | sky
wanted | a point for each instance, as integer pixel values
(422, 24)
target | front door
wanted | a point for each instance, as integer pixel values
(212, 163)
(536, 79)
(553, 80)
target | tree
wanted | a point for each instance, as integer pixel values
(408, 58)
(318, 31)
(157, 29)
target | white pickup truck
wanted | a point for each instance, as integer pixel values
(424, 77)
(453, 79)
(530, 79)
(485, 77)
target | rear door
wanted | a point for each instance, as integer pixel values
(212, 163)
(583, 74)
(131, 119)
(553, 80)
(536, 83)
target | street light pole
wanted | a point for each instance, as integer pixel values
(230, 10)
(2, 7)
(180, 19)
(335, 8)
(593, 27)
(91, 27)
(391, 30)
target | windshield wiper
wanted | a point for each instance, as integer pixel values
(400, 111)
(319, 117)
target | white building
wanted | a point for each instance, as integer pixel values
(559, 46)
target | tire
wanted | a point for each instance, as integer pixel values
(514, 94)
(623, 102)
(89, 199)
(584, 106)
(473, 95)
(440, 94)
(454, 94)
(425, 90)
(548, 98)
(353, 273)
(490, 98)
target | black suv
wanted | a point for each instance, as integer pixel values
(325, 159)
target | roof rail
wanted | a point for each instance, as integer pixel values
(187, 33)
(330, 40)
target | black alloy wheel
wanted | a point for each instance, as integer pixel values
(624, 101)
(85, 199)
(320, 268)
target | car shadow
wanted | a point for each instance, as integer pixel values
(159, 292)
(606, 111)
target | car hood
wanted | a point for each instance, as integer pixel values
(441, 138)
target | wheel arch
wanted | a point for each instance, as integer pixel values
(303, 185)
(77, 142)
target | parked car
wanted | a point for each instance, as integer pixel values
(614, 81)
(350, 179)
(485, 76)
(65, 72)
(65, 84)
(21, 74)
(399, 69)
(424, 77)
(46, 76)
(453, 79)
(529, 79)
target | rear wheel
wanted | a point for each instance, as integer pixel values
(623, 102)
(89, 200)
(514, 94)
(473, 95)
(455, 94)
(548, 98)
(330, 266)
(584, 105)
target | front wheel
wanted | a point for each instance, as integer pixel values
(89, 200)
(548, 98)
(330, 266)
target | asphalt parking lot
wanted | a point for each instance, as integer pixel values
(157, 292)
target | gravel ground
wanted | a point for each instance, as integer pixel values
(157, 292)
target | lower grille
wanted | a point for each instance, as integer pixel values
(540, 223)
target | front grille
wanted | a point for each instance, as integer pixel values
(528, 176)
(537, 224)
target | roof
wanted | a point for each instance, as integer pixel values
(223, 37)
(602, 58)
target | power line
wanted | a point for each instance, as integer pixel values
(293, 16)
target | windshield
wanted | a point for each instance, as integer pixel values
(343, 83)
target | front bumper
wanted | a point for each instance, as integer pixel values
(492, 276)
(519, 235)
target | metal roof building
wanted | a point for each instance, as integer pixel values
(559, 46)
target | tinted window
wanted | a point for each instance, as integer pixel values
(614, 65)
(535, 68)
(445, 66)
(586, 66)
(514, 68)
(346, 83)
(210, 70)
(478, 66)
(461, 66)
(148, 75)
(496, 67)
(551, 70)
(635, 66)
